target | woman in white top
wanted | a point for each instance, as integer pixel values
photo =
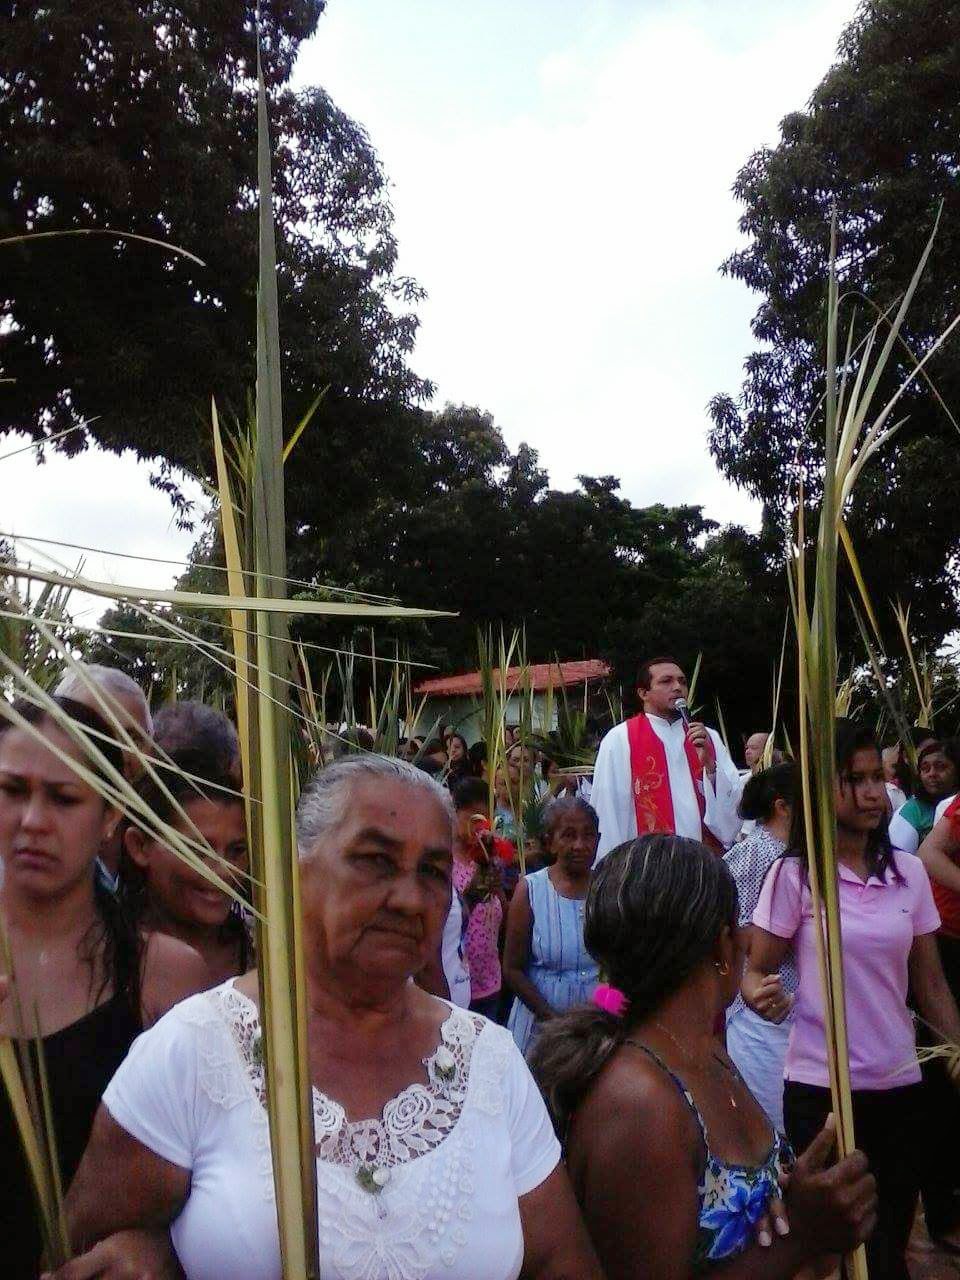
(435, 1155)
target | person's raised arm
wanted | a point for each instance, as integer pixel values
(936, 853)
(516, 952)
(721, 792)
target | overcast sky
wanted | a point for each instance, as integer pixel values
(561, 174)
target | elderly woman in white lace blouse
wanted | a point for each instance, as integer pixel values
(435, 1155)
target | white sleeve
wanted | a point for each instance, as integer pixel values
(942, 808)
(903, 834)
(612, 793)
(534, 1149)
(154, 1094)
(722, 795)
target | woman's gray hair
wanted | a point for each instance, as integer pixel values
(323, 801)
(565, 807)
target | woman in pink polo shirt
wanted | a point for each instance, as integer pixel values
(889, 922)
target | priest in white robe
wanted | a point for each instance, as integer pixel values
(653, 773)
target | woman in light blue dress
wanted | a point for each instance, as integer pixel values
(544, 960)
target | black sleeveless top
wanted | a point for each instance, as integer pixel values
(80, 1061)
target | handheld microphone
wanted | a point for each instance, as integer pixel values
(683, 711)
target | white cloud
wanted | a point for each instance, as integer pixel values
(561, 174)
(571, 247)
(97, 499)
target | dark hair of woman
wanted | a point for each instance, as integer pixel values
(470, 793)
(478, 757)
(851, 739)
(764, 789)
(655, 910)
(463, 766)
(215, 776)
(112, 944)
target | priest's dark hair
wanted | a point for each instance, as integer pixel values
(655, 911)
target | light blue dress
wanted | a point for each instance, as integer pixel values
(560, 967)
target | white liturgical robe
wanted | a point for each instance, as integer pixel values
(612, 795)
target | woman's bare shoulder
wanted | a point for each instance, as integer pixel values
(172, 971)
(634, 1101)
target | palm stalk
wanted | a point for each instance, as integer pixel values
(694, 681)
(24, 1076)
(270, 780)
(921, 675)
(766, 760)
(849, 443)
(252, 516)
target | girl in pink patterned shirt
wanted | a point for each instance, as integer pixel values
(476, 877)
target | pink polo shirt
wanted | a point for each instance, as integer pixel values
(879, 922)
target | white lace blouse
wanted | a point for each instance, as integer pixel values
(429, 1189)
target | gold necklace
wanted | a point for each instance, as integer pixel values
(730, 1073)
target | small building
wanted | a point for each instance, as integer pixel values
(458, 700)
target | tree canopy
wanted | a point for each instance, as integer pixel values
(483, 535)
(141, 117)
(880, 144)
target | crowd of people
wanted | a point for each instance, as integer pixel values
(593, 1048)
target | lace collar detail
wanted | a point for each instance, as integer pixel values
(413, 1122)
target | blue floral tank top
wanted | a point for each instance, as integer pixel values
(732, 1197)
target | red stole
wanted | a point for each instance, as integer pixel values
(651, 781)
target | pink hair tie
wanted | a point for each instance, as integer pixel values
(611, 1000)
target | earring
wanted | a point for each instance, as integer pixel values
(722, 969)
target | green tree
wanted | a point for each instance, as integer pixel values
(142, 117)
(478, 531)
(880, 143)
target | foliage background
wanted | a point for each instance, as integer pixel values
(142, 116)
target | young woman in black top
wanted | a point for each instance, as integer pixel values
(81, 970)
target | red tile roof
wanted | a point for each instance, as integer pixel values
(542, 675)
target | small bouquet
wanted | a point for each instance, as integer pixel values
(490, 852)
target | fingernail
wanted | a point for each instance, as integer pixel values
(765, 1238)
(781, 1226)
